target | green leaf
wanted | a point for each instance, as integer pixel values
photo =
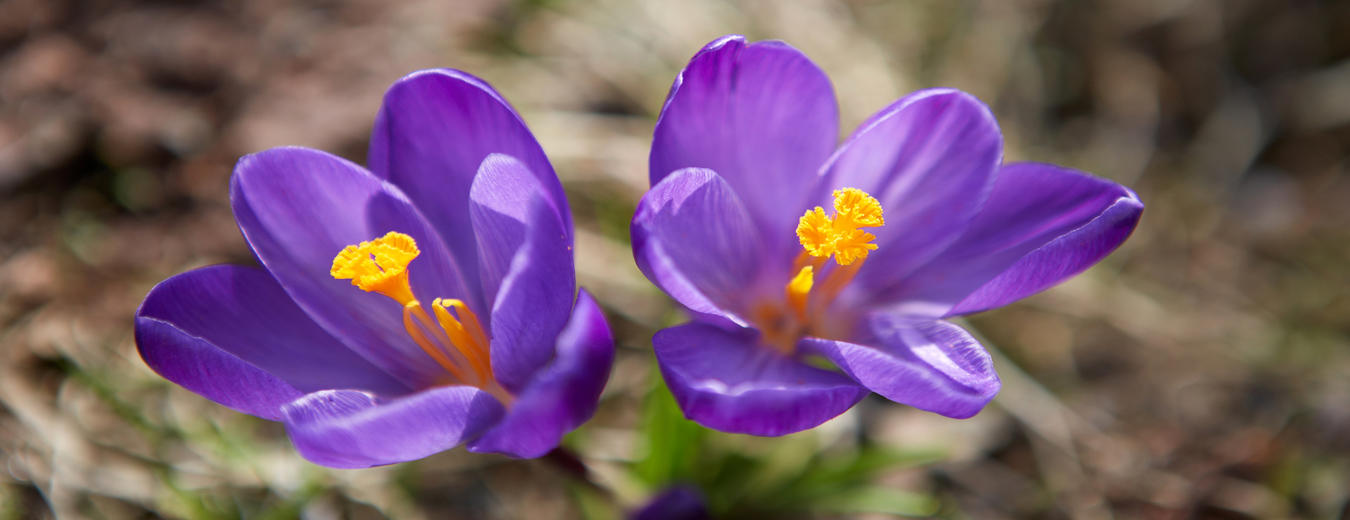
(877, 499)
(671, 441)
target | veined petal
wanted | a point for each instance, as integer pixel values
(351, 429)
(930, 365)
(694, 240)
(298, 208)
(196, 327)
(930, 159)
(525, 261)
(1070, 221)
(1041, 224)
(433, 131)
(729, 382)
(500, 201)
(208, 371)
(563, 395)
(761, 115)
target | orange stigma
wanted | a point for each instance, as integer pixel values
(841, 236)
(454, 340)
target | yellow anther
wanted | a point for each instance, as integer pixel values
(799, 288)
(380, 265)
(823, 236)
(465, 332)
(420, 329)
(467, 318)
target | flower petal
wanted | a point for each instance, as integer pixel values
(208, 371)
(298, 208)
(694, 240)
(930, 159)
(675, 503)
(1041, 224)
(564, 395)
(196, 327)
(930, 365)
(351, 429)
(729, 382)
(525, 262)
(1070, 220)
(434, 129)
(761, 115)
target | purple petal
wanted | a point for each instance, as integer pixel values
(564, 395)
(350, 429)
(675, 503)
(930, 365)
(763, 116)
(433, 131)
(199, 366)
(930, 159)
(1042, 225)
(526, 265)
(694, 240)
(210, 328)
(298, 208)
(729, 382)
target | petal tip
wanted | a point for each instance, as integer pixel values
(736, 39)
(441, 72)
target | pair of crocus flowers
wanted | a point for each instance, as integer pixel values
(431, 299)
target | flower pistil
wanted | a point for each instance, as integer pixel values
(841, 236)
(454, 338)
(823, 236)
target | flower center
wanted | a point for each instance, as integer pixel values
(822, 236)
(455, 338)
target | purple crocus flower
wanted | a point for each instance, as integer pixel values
(334, 336)
(789, 251)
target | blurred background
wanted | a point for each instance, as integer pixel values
(1203, 370)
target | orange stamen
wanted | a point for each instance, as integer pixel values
(455, 341)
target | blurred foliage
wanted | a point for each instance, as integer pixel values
(791, 476)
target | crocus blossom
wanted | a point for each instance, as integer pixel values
(402, 310)
(792, 253)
